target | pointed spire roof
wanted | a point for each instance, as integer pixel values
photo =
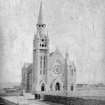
(40, 17)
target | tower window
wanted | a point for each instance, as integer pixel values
(72, 72)
(42, 40)
(41, 25)
(41, 64)
(44, 64)
(72, 88)
(42, 45)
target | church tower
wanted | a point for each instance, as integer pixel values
(40, 54)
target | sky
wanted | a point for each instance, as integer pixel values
(76, 25)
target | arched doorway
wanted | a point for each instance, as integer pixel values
(43, 87)
(57, 86)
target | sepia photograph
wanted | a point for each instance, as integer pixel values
(52, 52)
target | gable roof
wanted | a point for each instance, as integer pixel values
(56, 52)
(54, 57)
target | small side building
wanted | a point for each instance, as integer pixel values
(27, 77)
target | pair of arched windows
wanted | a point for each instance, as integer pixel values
(58, 87)
(43, 45)
(41, 25)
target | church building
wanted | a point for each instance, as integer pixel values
(50, 73)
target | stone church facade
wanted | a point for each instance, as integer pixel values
(50, 73)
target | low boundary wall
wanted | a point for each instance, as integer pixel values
(6, 102)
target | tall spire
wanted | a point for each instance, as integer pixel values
(40, 17)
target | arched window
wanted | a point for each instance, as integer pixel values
(42, 45)
(57, 86)
(72, 88)
(44, 69)
(42, 40)
(43, 87)
(41, 64)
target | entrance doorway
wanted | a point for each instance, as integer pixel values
(43, 87)
(57, 86)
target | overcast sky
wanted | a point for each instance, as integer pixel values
(74, 24)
